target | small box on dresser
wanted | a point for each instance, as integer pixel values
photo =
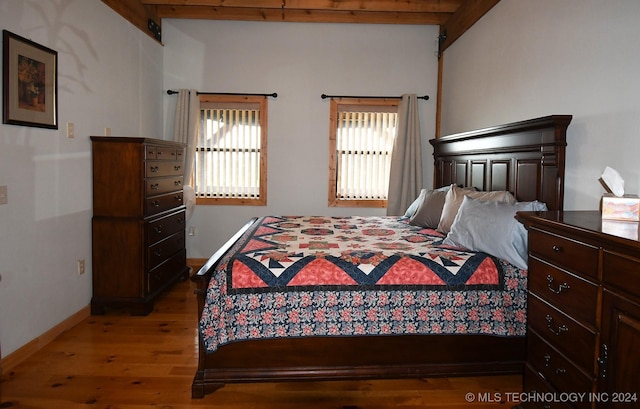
(138, 224)
(583, 333)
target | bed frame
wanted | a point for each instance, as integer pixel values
(526, 158)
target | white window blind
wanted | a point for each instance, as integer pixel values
(228, 152)
(364, 141)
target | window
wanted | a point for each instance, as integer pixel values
(231, 153)
(361, 138)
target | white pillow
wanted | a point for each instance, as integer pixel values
(429, 209)
(454, 200)
(491, 227)
(411, 210)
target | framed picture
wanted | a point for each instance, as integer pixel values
(30, 83)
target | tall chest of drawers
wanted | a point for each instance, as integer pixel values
(138, 224)
(583, 336)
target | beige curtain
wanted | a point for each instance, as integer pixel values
(185, 127)
(405, 178)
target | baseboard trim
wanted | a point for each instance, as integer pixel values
(21, 354)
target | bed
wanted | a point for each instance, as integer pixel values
(270, 310)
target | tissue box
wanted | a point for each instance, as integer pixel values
(625, 207)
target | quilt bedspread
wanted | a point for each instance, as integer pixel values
(343, 276)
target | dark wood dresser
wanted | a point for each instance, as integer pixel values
(138, 224)
(583, 334)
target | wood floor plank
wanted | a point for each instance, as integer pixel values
(119, 361)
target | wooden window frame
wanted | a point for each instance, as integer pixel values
(262, 191)
(335, 103)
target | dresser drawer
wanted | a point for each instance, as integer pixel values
(161, 251)
(573, 295)
(162, 275)
(163, 153)
(572, 339)
(163, 227)
(158, 186)
(158, 204)
(536, 388)
(621, 271)
(158, 168)
(150, 152)
(572, 255)
(556, 369)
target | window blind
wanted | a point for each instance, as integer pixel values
(228, 153)
(364, 141)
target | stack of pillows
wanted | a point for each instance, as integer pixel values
(475, 220)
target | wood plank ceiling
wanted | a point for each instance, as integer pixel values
(453, 16)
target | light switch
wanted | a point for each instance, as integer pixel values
(4, 199)
(70, 130)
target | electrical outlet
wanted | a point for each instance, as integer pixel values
(70, 130)
(80, 266)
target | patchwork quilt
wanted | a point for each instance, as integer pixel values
(299, 276)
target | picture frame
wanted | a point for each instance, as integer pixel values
(30, 83)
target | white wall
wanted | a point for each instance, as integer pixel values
(531, 58)
(109, 75)
(299, 62)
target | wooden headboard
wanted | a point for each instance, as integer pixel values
(526, 158)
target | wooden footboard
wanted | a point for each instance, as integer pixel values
(370, 357)
(201, 279)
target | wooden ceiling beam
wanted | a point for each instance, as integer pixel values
(453, 16)
(299, 15)
(138, 14)
(466, 16)
(419, 6)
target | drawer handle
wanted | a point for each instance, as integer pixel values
(178, 198)
(562, 328)
(154, 169)
(562, 287)
(177, 168)
(178, 183)
(158, 253)
(155, 203)
(602, 361)
(155, 186)
(180, 220)
(560, 371)
(556, 248)
(158, 230)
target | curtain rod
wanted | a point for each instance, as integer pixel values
(325, 96)
(274, 95)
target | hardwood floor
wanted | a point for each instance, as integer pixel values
(118, 361)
